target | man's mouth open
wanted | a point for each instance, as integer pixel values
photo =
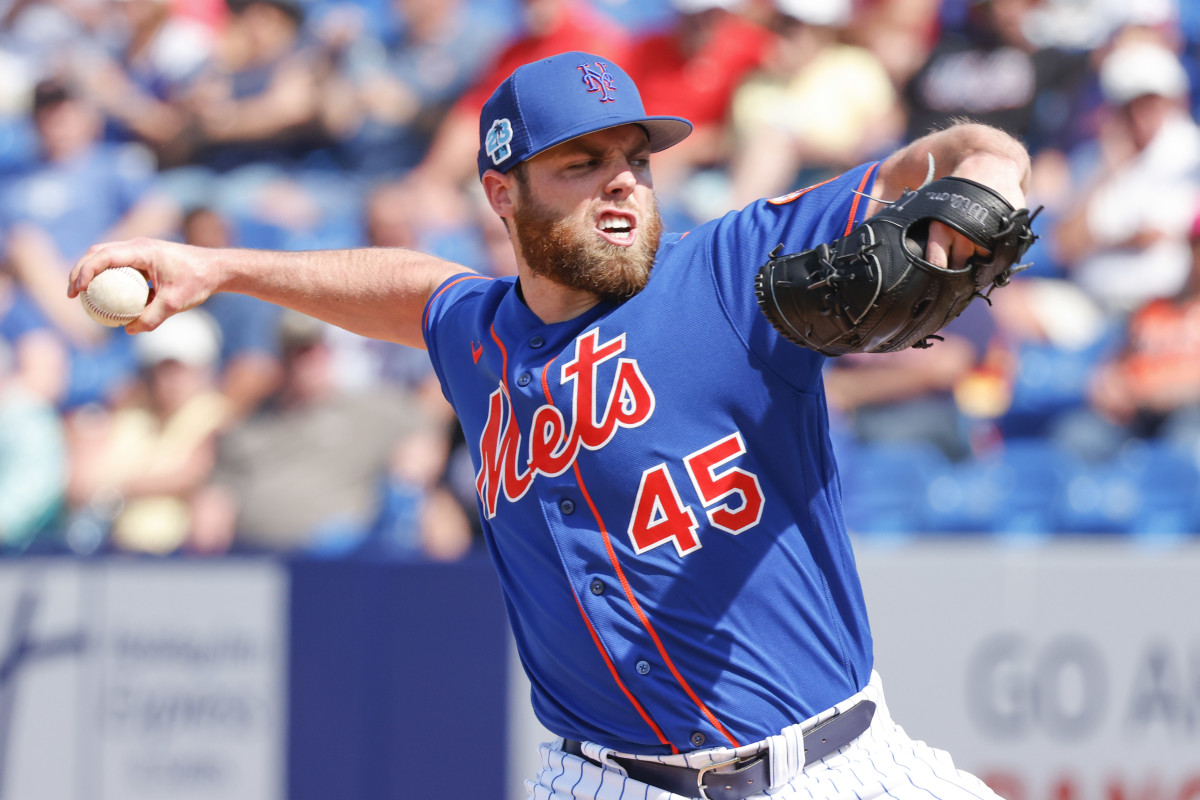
(619, 229)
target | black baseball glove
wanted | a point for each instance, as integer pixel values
(873, 291)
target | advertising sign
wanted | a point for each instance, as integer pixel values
(131, 680)
(1064, 672)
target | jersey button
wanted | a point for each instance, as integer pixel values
(698, 739)
(597, 586)
(567, 506)
(536, 342)
(643, 667)
(523, 379)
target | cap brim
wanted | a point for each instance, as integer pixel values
(664, 132)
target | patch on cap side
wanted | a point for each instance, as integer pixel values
(499, 141)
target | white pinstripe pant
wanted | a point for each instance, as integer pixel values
(881, 763)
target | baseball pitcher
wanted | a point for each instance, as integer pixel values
(648, 428)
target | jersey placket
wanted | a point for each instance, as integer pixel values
(650, 660)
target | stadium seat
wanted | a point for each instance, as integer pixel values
(1168, 478)
(1149, 489)
(1014, 491)
(1037, 475)
(884, 486)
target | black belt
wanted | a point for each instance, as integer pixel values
(741, 777)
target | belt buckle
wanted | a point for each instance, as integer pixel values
(712, 768)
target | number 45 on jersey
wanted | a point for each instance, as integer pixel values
(660, 514)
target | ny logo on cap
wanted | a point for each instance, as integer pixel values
(598, 81)
(497, 144)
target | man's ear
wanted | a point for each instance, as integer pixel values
(499, 189)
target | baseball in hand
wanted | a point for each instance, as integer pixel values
(116, 297)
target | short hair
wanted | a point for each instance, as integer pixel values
(51, 92)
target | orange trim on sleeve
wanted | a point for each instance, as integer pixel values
(440, 292)
(862, 185)
(790, 196)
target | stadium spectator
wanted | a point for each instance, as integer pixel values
(899, 32)
(549, 27)
(1150, 389)
(77, 191)
(420, 516)
(257, 102)
(33, 461)
(138, 82)
(135, 465)
(312, 471)
(991, 72)
(909, 396)
(401, 86)
(249, 367)
(780, 141)
(36, 355)
(692, 69)
(1125, 236)
(396, 216)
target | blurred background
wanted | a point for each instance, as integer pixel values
(240, 555)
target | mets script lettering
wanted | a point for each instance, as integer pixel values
(509, 466)
(969, 207)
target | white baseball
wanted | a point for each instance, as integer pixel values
(116, 297)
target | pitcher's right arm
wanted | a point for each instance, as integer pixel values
(375, 292)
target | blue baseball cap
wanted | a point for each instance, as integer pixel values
(548, 102)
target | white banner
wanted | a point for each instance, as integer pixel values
(139, 680)
(1064, 672)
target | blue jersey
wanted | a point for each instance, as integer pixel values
(659, 494)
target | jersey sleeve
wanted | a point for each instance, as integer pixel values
(741, 242)
(443, 323)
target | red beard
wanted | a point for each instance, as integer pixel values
(580, 259)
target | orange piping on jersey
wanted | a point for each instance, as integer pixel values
(504, 377)
(858, 196)
(546, 382)
(425, 317)
(628, 590)
(796, 195)
(612, 668)
(641, 614)
(503, 359)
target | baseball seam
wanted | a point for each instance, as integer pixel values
(135, 279)
(108, 314)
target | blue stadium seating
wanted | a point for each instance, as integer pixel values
(1027, 488)
(1149, 488)
(1016, 490)
(884, 486)
(1169, 484)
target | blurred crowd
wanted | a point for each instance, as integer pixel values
(1069, 402)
